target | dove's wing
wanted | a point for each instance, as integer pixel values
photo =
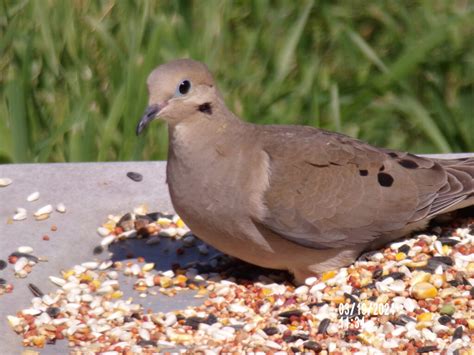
(328, 190)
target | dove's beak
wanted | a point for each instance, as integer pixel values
(150, 114)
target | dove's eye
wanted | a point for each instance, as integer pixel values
(183, 88)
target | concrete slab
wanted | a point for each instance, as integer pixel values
(90, 192)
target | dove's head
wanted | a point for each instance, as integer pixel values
(179, 90)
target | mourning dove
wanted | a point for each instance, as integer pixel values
(290, 197)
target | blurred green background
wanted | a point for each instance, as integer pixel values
(398, 74)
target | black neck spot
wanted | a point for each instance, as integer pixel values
(363, 172)
(407, 163)
(385, 180)
(205, 108)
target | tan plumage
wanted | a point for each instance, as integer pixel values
(290, 197)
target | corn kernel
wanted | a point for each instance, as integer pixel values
(328, 275)
(423, 290)
(116, 294)
(419, 276)
(400, 256)
(165, 282)
(180, 223)
(95, 283)
(446, 249)
(424, 317)
(67, 274)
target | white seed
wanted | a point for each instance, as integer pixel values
(20, 264)
(104, 290)
(105, 264)
(148, 267)
(103, 232)
(237, 308)
(91, 265)
(20, 214)
(310, 281)
(57, 281)
(107, 240)
(5, 182)
(302, 290)
(272, 344)
(113, 275)
(135, 269)
(148, 325)
(31, 311)
(144, 334)
(61, 208)
(33, 196)
(25, 249)
(397, 286)
(13, 321)
(44, 210)
(170, 319)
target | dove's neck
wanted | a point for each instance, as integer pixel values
(205, 137)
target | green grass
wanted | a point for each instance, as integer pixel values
(398, 74)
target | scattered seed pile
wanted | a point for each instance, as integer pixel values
(415, 296)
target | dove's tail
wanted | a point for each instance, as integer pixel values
(459, 189)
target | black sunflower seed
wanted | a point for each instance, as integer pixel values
(405, 248)
(427, 349)
(312, 345)
(458, 333)
(53, 312)
(444, 319)
(291, 313)
(448, 241)
(135, 176)
(98, 250)
(35, 290)
(270, 330)
(3, 264)
(323, 326)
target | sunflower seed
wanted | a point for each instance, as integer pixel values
(44, 210)
(5, 182)
(33, 196)
(35, 290)
(25, 249)
(61, 208)
(20, 214)
(135, 176)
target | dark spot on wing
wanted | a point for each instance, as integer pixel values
(363, 172)
(407, 163)
(206, 108)
(385, 180)
(382, 168)
(393, 155)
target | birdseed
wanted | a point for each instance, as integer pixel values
(419, 302)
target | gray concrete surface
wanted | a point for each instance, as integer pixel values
(90, 192)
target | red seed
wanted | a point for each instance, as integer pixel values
(45, 237)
